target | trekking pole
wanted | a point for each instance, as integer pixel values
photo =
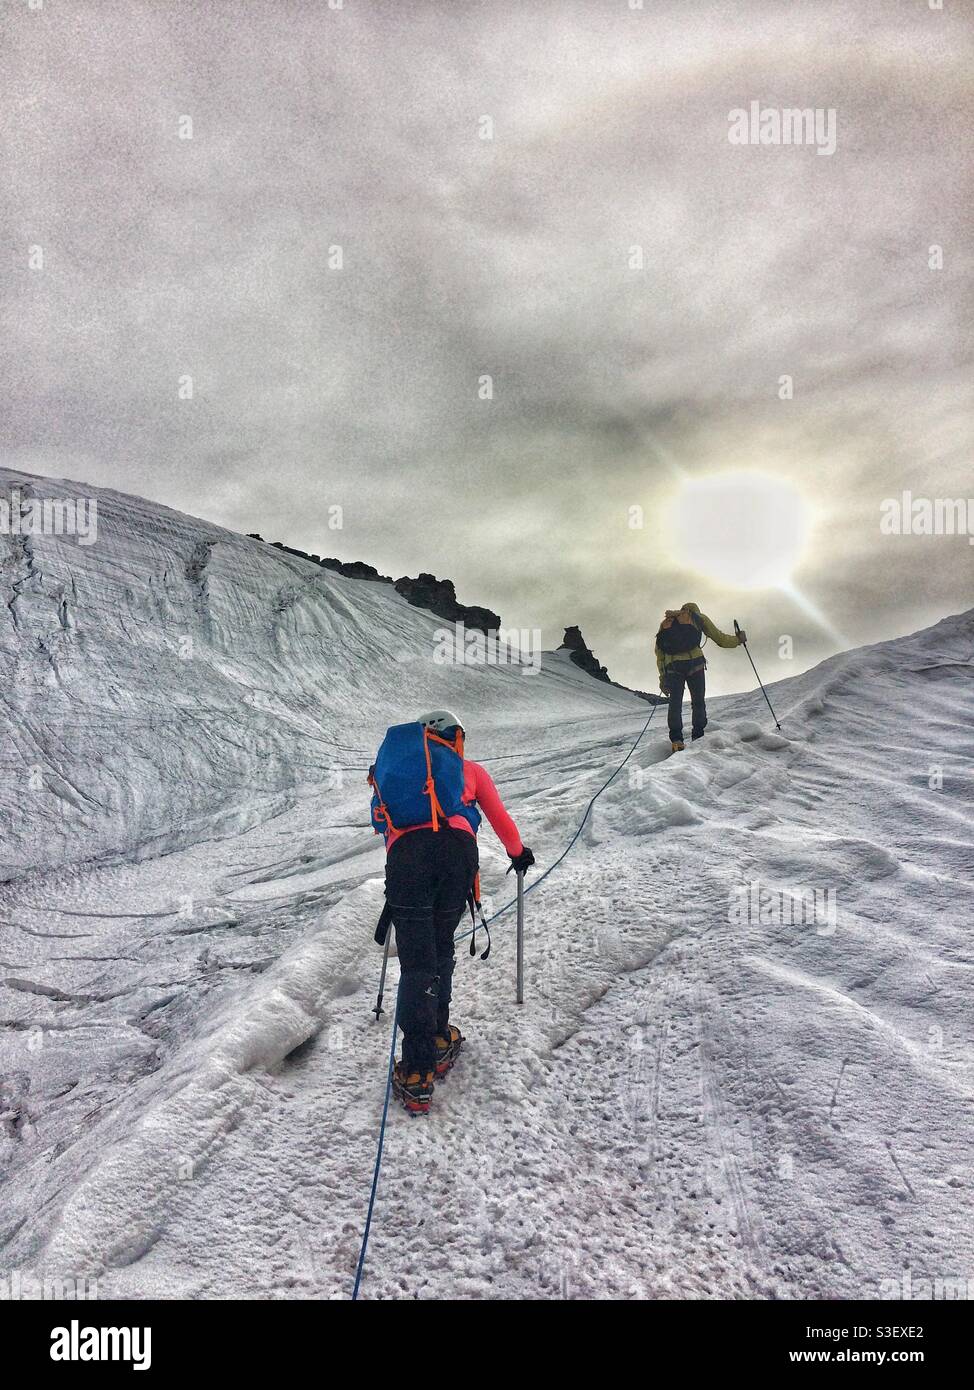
(760, 682)
(382, 978)
(383, 933)
(520, 936)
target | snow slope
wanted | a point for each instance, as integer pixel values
(692, 1101)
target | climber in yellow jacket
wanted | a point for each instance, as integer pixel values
(682, 664)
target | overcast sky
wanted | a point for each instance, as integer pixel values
(313, 386)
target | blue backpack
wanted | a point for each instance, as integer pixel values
(416, 780)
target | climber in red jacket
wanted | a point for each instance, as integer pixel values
(429, 875)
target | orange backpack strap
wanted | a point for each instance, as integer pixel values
(382, 810)
(430, 787)
(455, 746)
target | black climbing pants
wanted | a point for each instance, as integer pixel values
(696, 683)
(428, 876)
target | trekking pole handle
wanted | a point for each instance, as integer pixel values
(737, 631)
(377, 1007)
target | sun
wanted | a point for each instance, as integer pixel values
(745, 529)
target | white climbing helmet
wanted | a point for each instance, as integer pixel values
(439, 720)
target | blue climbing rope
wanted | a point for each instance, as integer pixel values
(536, 883)
(378, 1155)
(395, 1013)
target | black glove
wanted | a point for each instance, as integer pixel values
(383, 925)
(522, 861)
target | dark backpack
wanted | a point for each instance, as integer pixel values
(680, 638)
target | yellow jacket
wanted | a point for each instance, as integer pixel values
(723, 639)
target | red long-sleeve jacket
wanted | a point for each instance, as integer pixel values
(479, 790)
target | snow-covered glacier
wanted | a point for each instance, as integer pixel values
(744, 1064)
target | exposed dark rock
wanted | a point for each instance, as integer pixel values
(582, 655)
(356, 569)
(440, 597)
(351, 569)
(645, 695)
(289, 550)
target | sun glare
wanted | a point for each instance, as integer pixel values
(742, 528)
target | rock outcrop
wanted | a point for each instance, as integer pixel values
(351, 569)
(440, 597)
(582, 655)
(356, 569)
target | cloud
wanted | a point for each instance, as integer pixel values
(511, 257)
